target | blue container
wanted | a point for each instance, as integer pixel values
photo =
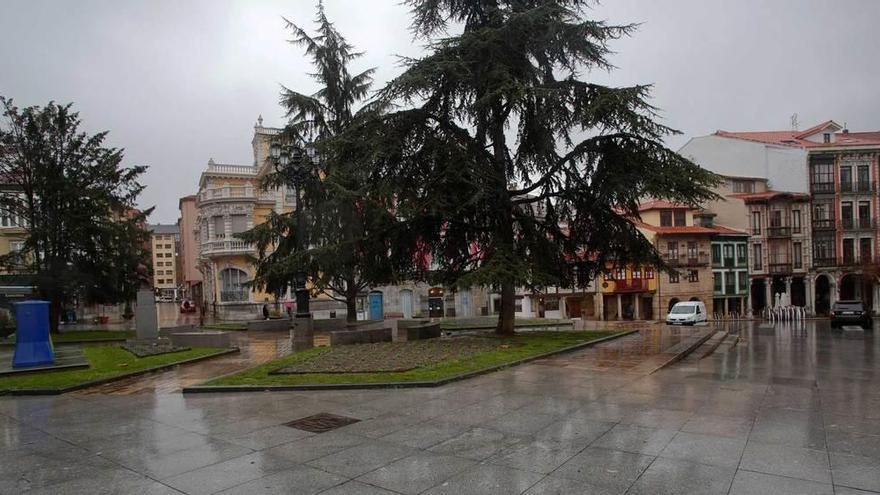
(32, 344)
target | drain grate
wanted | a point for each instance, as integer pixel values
(321, 422)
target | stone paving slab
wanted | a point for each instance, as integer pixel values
(773, 400)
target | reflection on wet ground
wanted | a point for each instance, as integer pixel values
(789, 409)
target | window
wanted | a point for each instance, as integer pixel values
(219, 228)
(716, 254)
(846, 178)
(823, 250)
(692, 250)
(239, 223)
(672, 250)
(168, 246)
(666, 218)
(741, 254)
(756, 222)
(826, 137)
(849, 250)
(796, 221)
(551, 305)
(776, 218)
(693, 276)
(862, 178)
(608, 276)
(865, 249)
(649, 272)
(743, 186)
(822, 173)
(757, 257)
(16, 246)
(864, 215)
(232, 285)
(728, 255)
(680, 217)
(798, 255)
(673, 277)
(717, 282)
(743, 281)
(636, 272)
(620, 274)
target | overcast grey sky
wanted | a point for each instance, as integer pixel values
(180, 81)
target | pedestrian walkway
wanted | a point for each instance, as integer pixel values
(784, 410)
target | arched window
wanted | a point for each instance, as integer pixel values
(232, 287)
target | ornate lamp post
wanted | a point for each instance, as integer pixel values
(288, 162)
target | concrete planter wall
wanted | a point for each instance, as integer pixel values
(275, 325)
(348, 337)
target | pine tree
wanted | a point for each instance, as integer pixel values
(346, 236)
(68, 191)
(507, 166)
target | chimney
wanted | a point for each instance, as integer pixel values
(846, 131)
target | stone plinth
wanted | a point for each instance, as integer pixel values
(146, 316)
(302, 333)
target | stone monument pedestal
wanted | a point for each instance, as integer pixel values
(302, 333)
(146, 316)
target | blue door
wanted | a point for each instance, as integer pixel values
(376, 312)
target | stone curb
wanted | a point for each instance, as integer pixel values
(101, 381)
(390, 385)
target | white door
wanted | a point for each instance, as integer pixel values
(406, 303)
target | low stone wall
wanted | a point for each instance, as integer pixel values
(273, 325)
(207, 338)
(348, 337)
(406, 331)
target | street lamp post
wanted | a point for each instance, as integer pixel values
(288, 162)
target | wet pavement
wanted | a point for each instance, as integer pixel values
(792, 409)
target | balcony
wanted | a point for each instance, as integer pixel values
(226, 246)
(235, 193)
(633, 285)
(778, 232)
(780, 268)
(856, 187)
(823, 224)
(686, 260)
(822, 188)
(824, 261)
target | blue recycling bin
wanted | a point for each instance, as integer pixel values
(32, 344)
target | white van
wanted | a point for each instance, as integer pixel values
(687, 313)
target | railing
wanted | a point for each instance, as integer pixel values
(824, 261)
(235, 192)
(822, 187)
(823, 224)
(220, 168)
(233, 296)
(226, 246)
(858, 186)
(685, 259)
(632, 285)
(780, 268)
(778, 232)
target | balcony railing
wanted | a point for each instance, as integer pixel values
(823, 224)
(633, 285)
(779, 268)
(858, 186)
(235, 193)
(226, 246)
(778, 231)
(824, 261)
(685, 259)
(822, 187)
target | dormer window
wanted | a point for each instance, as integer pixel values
(826, 137)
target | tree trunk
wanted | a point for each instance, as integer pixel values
(54, 315)
(508, 310)
(351, 310)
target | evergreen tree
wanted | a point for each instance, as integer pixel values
(506, 166)
(70, 193)
(344, 244)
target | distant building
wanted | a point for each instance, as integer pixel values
(190, 278)
(164, 240)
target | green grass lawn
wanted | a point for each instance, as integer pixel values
(490, 322)
(106, 361)
(508, 349)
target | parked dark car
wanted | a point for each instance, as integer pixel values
(850, 313)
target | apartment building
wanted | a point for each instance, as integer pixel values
(844, 173)
(189, 276)
(164, 244)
